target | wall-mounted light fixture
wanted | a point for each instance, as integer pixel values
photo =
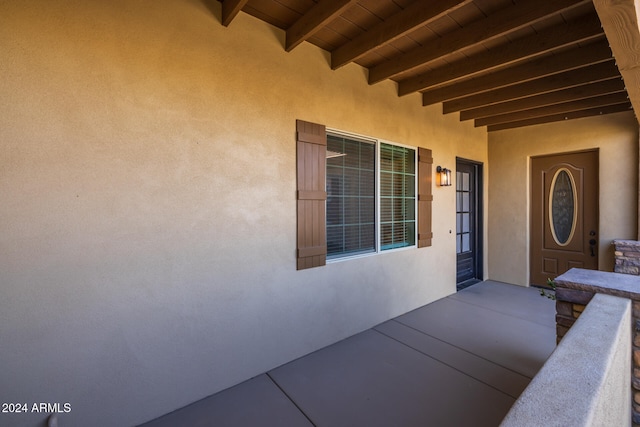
(444, 176)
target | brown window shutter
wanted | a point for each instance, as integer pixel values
(311, 194)
(425, 197)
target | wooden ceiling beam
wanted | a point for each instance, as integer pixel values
(620, 22)
(576, 58)
(230, 8)
(312, 21)
(502, 22)
(549, 110)
(582, 76)
(415, 15)
(572, 94)
(562, 117)
(513, 62)
(582, 29)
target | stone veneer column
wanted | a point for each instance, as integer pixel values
(627, 253)
(574, 290)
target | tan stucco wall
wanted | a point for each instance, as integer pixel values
(147, 179)
(510, 152)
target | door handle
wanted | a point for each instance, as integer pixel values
(592, 245)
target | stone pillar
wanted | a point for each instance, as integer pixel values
(570, 303)
(627, 253)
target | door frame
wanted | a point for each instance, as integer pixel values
(478, 241)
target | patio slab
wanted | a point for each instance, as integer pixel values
(462, 360)
(256, 402)
(517, 301)
(373, 380)
(483, 370)
(511, 342)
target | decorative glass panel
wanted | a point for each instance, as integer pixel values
(464, 212)
(465, 243)
(562, 207)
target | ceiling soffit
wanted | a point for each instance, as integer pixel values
(500, 63)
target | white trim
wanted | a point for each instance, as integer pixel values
(350, 257)
(355, 136)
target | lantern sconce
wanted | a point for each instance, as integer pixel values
(444, 176)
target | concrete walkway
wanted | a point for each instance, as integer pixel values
(459, 361)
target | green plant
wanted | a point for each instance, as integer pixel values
(552, 284)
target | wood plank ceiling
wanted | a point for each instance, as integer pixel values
(501, 63)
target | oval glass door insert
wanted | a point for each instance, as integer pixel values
(562, 207)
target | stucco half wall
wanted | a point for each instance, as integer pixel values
(147, 179)
(510, 152)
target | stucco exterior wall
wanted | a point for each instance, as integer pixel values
(147, 179)
(510, 152)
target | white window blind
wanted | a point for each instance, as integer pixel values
(397, 196)
(350, 185)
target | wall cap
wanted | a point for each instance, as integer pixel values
(587, 380)
(626, 243)
(617, 284)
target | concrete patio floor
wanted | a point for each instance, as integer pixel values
(459, 361)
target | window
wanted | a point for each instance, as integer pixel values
(351, 196)
(351, 204)
(357, 195)
(464, 212)
(397, 197)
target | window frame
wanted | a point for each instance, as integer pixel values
(377, 196)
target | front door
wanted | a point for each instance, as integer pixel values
(564, 214)
(468, 222)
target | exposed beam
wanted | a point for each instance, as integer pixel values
(620, 22)
(504, 21)
(575, 58)
(230, 9)
(586, 75)
(572, 94)
(563, 117)
(582, 29)
(549, 110)
(417, 14)
(312, 21)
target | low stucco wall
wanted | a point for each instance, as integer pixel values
(587, 379)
